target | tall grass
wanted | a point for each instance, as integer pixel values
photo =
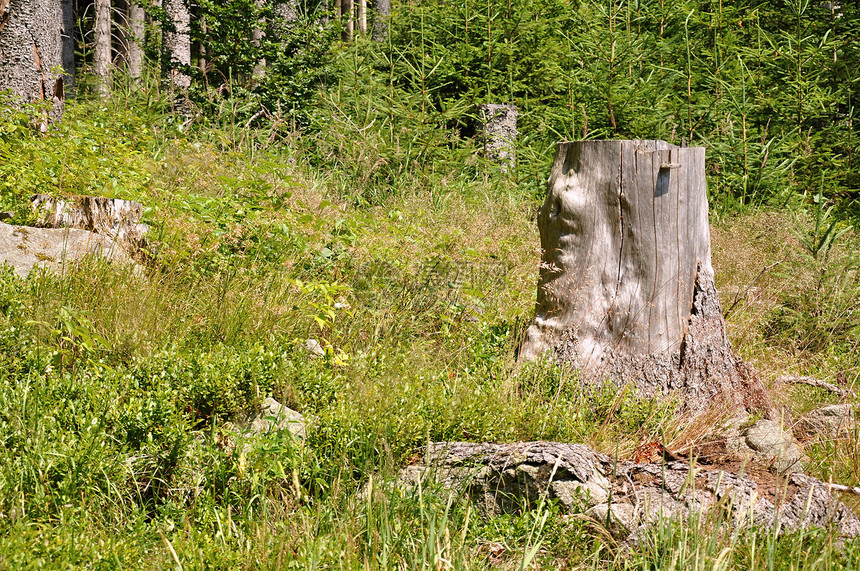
(115, 382)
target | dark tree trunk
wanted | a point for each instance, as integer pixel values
(201, 48)
(346, 14)
(382, 10)
(626, 285)
(31, 49)
(121, 32)
(68, 53)
(102, 56)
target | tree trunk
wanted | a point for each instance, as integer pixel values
(626, 285)
(121, 33)
(31, 48)
(362, 16)
(68, 49)
(201, 49)
(136, 17)
(102, 49)
(257, 40)
(177, 44)
(287, 11)
(346, 11)
(382, 10)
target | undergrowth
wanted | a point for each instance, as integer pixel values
(115, 384)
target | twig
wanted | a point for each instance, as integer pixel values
(814, 383)
(846, 489)
(254, 117)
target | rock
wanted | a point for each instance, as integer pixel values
(314, 349)
(25, 248)
(617, 518)
(268, 417)
(768, 443)
(113, 217)
(626, 496)
(6, 215)
(829, 421)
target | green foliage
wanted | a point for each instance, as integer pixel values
(78, 156)
(820, 313)
(270, 80)
(766, 90)
(363, 217)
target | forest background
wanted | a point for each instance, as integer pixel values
(317, 182)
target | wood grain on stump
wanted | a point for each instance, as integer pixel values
(626, 289)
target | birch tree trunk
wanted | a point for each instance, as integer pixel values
(134, 60)
(31, 47)
(176, 42)
(362, 16)
(102, 48)
(627, 289)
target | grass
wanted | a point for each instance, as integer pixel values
(114, 385)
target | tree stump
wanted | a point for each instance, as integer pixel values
(626, 290)
(112, 217)
(499, 128)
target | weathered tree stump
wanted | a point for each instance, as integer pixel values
(118, 219)
(499, 129)
(626, 289)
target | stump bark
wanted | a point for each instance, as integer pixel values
(626, 290)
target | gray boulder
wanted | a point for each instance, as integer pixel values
(269, 416)
(766, 442)
(314, 349)
(829, 421)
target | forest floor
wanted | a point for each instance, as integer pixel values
(115, 386)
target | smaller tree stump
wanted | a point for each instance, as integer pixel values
(499, 129)
(118, 219)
